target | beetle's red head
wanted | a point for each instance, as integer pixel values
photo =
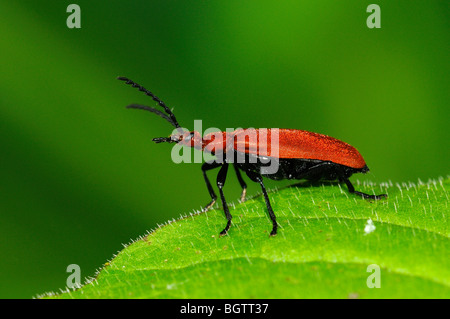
(184, 137)
(191, 139)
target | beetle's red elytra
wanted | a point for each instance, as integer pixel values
(299, 155)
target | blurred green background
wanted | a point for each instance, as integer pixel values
(79, 173)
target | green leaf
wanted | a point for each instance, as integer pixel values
(326, 241)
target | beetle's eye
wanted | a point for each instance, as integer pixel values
(189, 137)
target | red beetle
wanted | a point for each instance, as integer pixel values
(298, 155)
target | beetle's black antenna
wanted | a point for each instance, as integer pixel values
(173, 120)
(153, 110)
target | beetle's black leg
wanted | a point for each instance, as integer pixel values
(258, 178)
(221, 177)
(269, 208)
(206, 167)
(351, 190)
(241, 182)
